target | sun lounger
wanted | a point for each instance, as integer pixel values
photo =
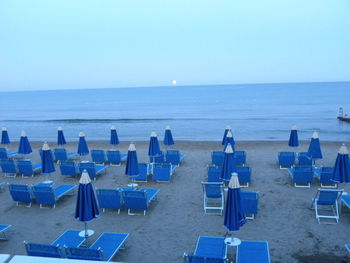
(325, 174)
(244, 175)
(62, 155)
(253, 252)
(3, 229)
(250, 200)
(160, 158)
(138, 199)
(304, 159)
(104, 248)
(217, 157)
(114, 157)
(109, 199)
(327, 200)
(26, 168)
(346, 200)
(21, 193)
(209, 249)
(98, 156)
(213, 198)
(4, 154)
(240, 157)
(8, 167)
(286, 159)
(68, 168)
(162, 172)
(144, 171)
(302, 176)
(174, 157)
(92, 169)
(214, 173)
(48, 196)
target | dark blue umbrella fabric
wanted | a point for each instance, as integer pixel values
(114, 140)
(153, 149)
(341, 172)
(24, 145)
(293, 138)
(60, 137)
(229, 140)
(132, 167)
(83, 149)
(5, 139)
(168, 137)
(228, 165)
(227, 128)
(46, 160)
(314, 150)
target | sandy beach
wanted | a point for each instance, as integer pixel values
(176, 219)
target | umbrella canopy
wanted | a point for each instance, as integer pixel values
(114, 136)
(227, 128)
(341, 172)
(229, 164)
(46, 160)
(82, 145)
(24, 145)
(132, 167)
(153, 149)
(293, 138)
(229, 140)
(168, 137)
(60, 137)
(5, 139)
(314, 150)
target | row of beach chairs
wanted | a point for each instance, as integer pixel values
(288, 159)
(303, 176)
(244, 174)
(26, 168)
(217, 158)
(71, 169)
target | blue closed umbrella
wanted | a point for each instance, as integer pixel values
(229, 140)
(153, 149)
(228, 165)
(341, 172)
(47, 161)
(60, 137)
(132, 167)
(168, 137)
(5, 139)
(114, 140)
(234, 213)
(83, 149)
(86, 208)
(24, 145)
(227, 128)
(314, 151)
(293, 138)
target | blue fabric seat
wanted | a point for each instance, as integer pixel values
(62, 155)
(98, 156)
(160, 158)
(109, 199)
(114, 157)
(26, 168)
(253, 252)
(304, 159)
(138, 199)
(4, 154)
(214, 173)
(217, 157)
(250, 200)
(3, 229)
(48, 196)
(244, 175)
(68, 168)
(92, 169)
(162, 172)
(240, 157)
(21, 193)
(144, 171)
(213, 197)
(302, 176)
(286, 159)
(174, 157)
(8, 167)
(325, 174)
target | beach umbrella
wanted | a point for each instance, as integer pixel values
(47, 161)
(153, 149)
(229, 140)
(314, 151)
(293, 138)
(341, 172)
(82, 145)
(60, 137)
(5, 139)
(86, 208)
(228, 165)
(114, 136)
(168, 137)
(132, 167)
(227, 128)
(234, 213)
(24, 145)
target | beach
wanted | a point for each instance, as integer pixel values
(176, 219)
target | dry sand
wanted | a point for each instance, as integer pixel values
(176, 219)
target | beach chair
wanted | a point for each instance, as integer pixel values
(104, 248)
(160, 158)
(240, 157)
(250, 200)
(213, 198)
(327, 201)
(208, 250)
(214, 173)
(62, 155)
(302, 176)
(144, 171)
(174, 157)
(162, 172)
(138, 199)
(325, 174)
(253, 252)
(69, 169)
(304, 159)
(21, 193)
(48, 196)
(98, 156)
(244, 175)
(92, 169)
(3, 229)
(27, 169)
(8, 167)
(115, 158)
(346, 200)
(286, 159)
(217, 157)
(4, 154)
(109, 199)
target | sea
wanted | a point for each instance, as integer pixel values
(254, 111)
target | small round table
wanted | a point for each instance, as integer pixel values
(232, 241)
(133, 185)
(89, 232)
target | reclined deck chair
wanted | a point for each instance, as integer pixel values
(327, 200)
(8, 167)
(109, 199)
(302, 176)
(244, 175)
(213, 198)
(27, 169)
(98, 156)
(3, 229)
(208, 249)
(286, 159)
(144, 171)
(160, 158)
(48, 196)
(138, 199)
(4, 154)
(174, 157)
(92, 169)
(104, 248)
(68, 168)
(253, 252)
(162, 172)
(250, 200)
(240, 157)
(325, 174)
(115, 158)
(217, 157)
(304, 159)
(21, 193)
(214, 173)
(62, 155)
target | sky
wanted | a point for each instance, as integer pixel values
(113, 43)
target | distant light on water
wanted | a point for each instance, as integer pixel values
(174, 82)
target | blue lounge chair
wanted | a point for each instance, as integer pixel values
(244, 175)
(48, 196)
(21, 193)
(138, 199)
(68, 168)
(26, 168)
(3, 229)
(253, 252)
(162, 172)
(62, 155)
(286, 159)
(213, 197)
(250, 200)
(217, 157)
(327, 200)
(325, 174)
(174, 157)
(8, 167)
(240, 157)
(114, 157)
(109, 199)
(302, 176)
(214, 173)
(4, 154)
(104, 248)
(160, 158)
(209, 249)
(304, 159)
(346, 200)
(144, 171)
(98, 156)
(92, 169)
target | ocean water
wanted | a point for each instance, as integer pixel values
(255, 112)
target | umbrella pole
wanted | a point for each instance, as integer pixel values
(86, 234)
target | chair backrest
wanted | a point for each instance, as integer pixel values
(303, 174)
(85, 253)
(89, 167)
(113, 156)
(217, 157)
(98, 156)
(172, 156)
(3, 153)
(213, 189)
(68, 168)
(239, 157)
(136, 200)
(198, 259)
(326, 175)
(60, 154)
(214, 173)
(42, 250)
(304, 159)
(44, 195)
(25, 167)
(8, 166)
(244, 173)
(161, 172)
(20, 193)
(158, 159)
(328, 196)
(143, 172)
(286, 158)
(108, 198)
(250, 201)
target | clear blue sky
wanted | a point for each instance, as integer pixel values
(49, 44)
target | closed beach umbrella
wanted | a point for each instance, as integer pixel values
(293, 138)
(132, 167)
(24, 145)
(47, 165)
(153, 149)
(314, 151)
(5, 139)
(60, 137)
(229, 140)
(86, 207)
(168, 137)
(227, 128)
(234, 213)
(114, 140)
(229, 165)
(83, 149)
(341, 172)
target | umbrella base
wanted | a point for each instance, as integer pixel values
(47, 182)
(87, 233)
(232, 241)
